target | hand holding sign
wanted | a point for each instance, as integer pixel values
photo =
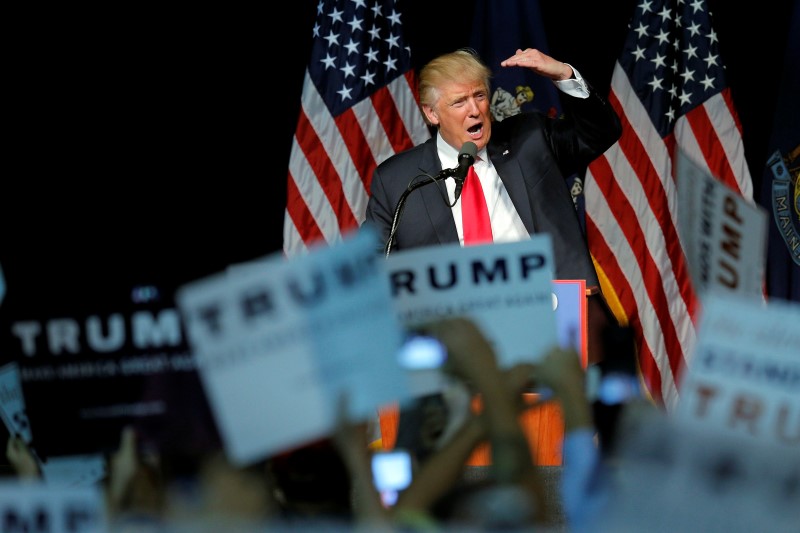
(744, 377)
(504, 287)
(276, 344)
(723, 235)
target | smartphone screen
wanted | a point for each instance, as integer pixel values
(421, 352)
(617, 383)
(391, 472)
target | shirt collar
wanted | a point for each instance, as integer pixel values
(449, 155)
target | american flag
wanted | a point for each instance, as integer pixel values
(668, 87)
(358, 107)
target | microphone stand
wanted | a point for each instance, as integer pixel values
(401, 203)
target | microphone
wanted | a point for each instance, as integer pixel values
(466, 157)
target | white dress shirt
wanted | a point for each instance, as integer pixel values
(506, 222)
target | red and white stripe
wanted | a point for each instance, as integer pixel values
(631, 223)
(332, 160)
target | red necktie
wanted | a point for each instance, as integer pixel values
(474, 213)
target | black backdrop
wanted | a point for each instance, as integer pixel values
(152, 144)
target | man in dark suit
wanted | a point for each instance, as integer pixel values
(522, 163)
(531, 153)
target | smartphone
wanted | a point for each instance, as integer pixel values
(618, 388)
(618, 383)
(422, 352)
(392, 471)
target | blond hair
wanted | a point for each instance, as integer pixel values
(463, 66)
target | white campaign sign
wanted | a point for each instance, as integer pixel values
(506, 288)
(53, 509)
(74, 470)
(744, 377)
(724, 236)
(12, 403)
(277, 342)
(67, 470)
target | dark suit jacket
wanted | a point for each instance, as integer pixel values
(532, 155)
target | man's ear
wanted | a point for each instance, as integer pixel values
(430, 114)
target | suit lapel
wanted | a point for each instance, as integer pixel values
(441, 216)
(507, 166)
